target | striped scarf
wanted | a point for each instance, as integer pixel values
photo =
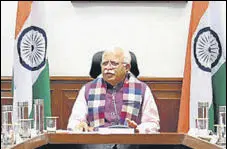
(132, 100)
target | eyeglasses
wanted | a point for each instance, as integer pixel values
(113, 63)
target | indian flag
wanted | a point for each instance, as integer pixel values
(30, 70)
(205, 65)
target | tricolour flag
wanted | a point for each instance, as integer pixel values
(205, 65)
(30, 70)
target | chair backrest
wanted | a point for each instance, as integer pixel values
(96, 68)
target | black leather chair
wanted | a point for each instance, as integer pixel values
(96, 68)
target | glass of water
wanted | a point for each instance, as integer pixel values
(221, 127)
(6, 116)
(221, 134)
(22, 110)
(8, 134)
(25, 128)
(51, 124)
(222, 115)
(202, 126)
(202, 123)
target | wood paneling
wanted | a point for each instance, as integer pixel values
(6, 95)
(64, 91)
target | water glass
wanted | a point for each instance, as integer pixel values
(203, 108)
(220, 132)
(6, 115)
(222, 115)
(202, 126)
(25, 128)
(51, 124)
(202, 119)
(202, 123)
(22, 110)
(221, 127)
(38, 116)
(8, 137)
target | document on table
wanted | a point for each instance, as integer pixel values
(104, 130)
(116, 130)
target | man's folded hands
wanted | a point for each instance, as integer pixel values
(83, 127)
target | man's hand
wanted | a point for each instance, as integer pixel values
(82, 126)
(132, 124)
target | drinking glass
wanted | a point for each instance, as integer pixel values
(219, 131)
(22, 110)
(6, 116)
(202, 123)
(8, 134)
(222, 117)
(203, 108)
(220, 128)
(7, 130)
(51, 124)
(25, 128)
(38, 115)
(202, 126)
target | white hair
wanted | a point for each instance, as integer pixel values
(126, 53)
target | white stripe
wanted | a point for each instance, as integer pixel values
(201, 85)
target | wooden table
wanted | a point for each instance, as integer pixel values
(161, 139)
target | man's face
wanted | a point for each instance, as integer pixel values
(113, 68)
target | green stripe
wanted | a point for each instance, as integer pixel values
(219, 92)
(211, 117)
(41, 90)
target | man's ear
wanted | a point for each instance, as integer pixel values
(128, 67)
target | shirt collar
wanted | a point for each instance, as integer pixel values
(119, 85)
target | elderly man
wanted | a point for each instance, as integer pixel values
(115, 98)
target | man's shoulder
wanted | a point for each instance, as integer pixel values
(141, 82)
(88, 84)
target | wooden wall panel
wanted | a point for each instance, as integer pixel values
(69, 97)
(168, 112)
(6, 95)
(64, 91)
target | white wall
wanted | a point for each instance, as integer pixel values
(8, 16)
(155, 31)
